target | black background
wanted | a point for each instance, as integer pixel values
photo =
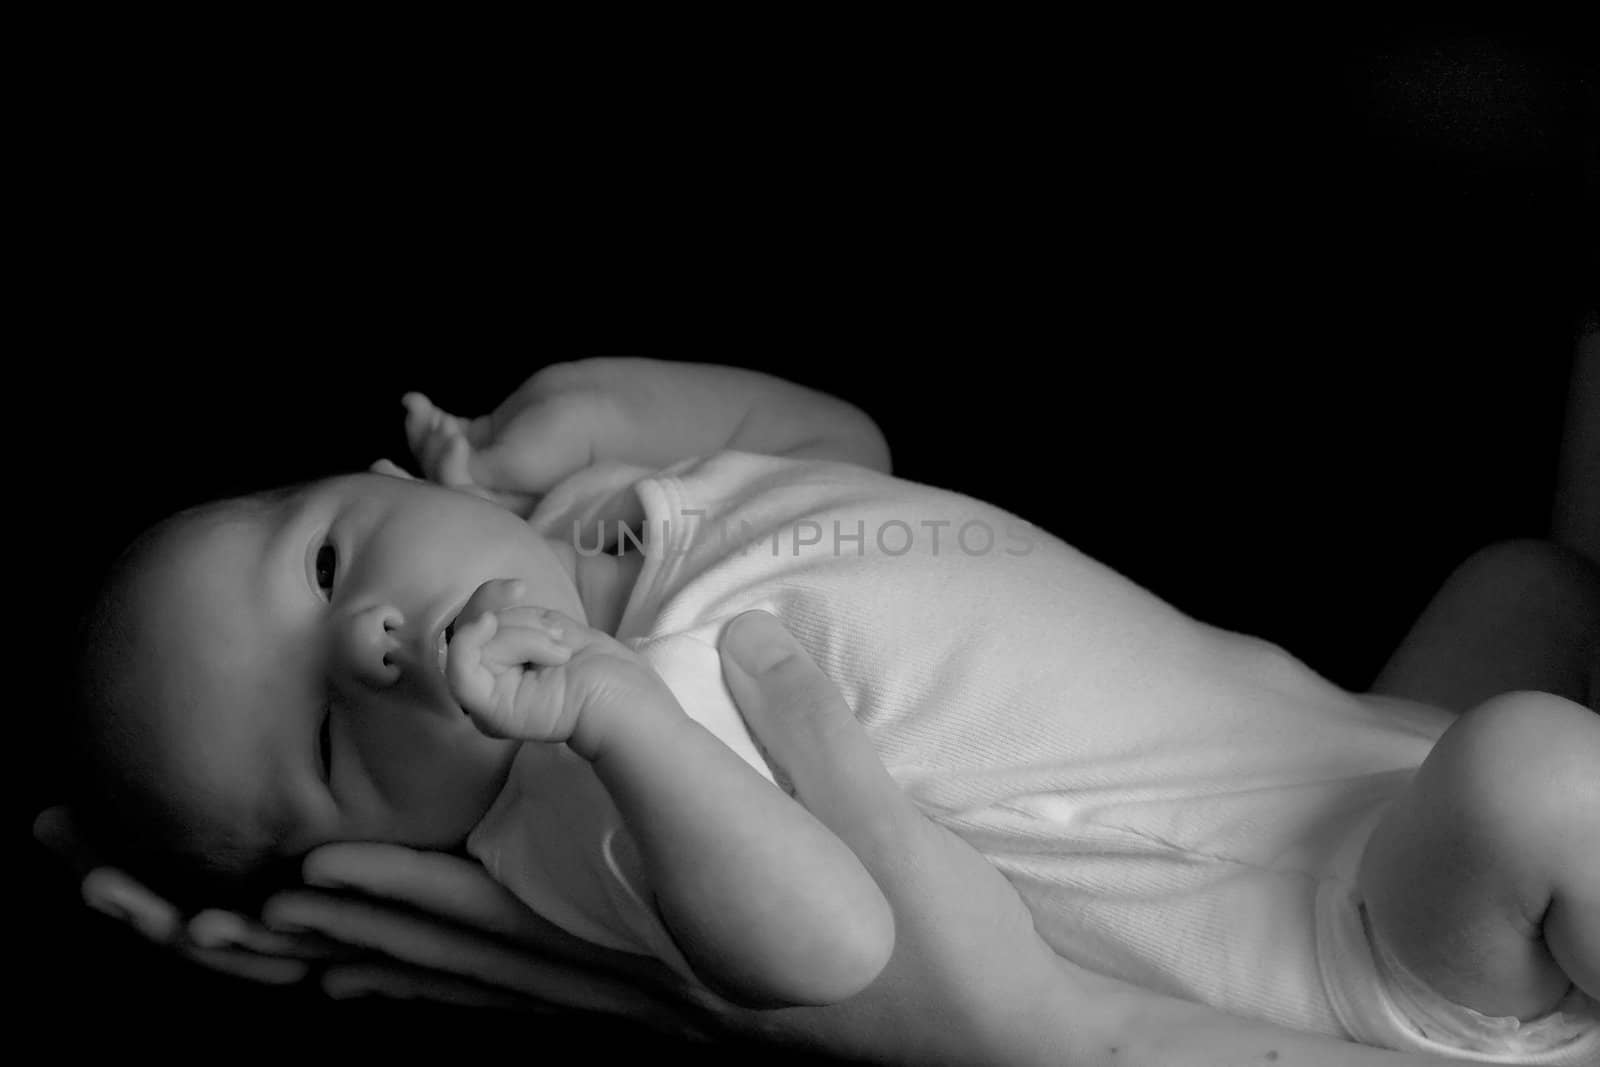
(1277, 321)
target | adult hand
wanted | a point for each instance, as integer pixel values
(964, 984)
(214, 938)
(970, 980)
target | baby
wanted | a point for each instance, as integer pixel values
(1192, 810)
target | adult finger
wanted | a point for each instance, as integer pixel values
(115, 893)
(398, 982)
(435, 946)
(458, 891)
(215, 928)
(270, 970)
(806, 728)
(433, 882)
(54, 829)
(402, 982)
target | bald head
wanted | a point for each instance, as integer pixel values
(139, 786)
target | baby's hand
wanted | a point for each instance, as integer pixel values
(533, 674)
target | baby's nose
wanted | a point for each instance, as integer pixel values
(369, 645)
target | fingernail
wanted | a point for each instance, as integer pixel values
(757, 642)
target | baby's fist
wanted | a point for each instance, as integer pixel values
(534, 674)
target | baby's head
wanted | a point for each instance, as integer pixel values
(264, 675)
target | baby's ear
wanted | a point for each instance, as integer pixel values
(384, 466)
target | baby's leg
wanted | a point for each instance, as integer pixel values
(1484, 881)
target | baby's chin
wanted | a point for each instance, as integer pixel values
(446, 831)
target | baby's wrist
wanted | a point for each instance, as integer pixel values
(604, 728)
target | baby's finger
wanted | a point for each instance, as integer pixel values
(810, 734)
(525, 704)
(529, 638)
(471, 681)
(488, 670)
(561, 627)
(495, 595)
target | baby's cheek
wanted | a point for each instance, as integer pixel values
(430, 787)
(478, 771)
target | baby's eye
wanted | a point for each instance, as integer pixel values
(327, 567)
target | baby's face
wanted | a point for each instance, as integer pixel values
(299, 669)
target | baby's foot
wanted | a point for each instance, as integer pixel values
(439, 441)
(445, 446)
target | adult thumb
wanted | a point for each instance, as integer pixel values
(808, 731)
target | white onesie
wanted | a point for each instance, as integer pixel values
(1179, 806)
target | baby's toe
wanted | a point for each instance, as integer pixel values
(455, 461)
(437, 460)
(419, 421)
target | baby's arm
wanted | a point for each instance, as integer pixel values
(643, 412)
(767, 905)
